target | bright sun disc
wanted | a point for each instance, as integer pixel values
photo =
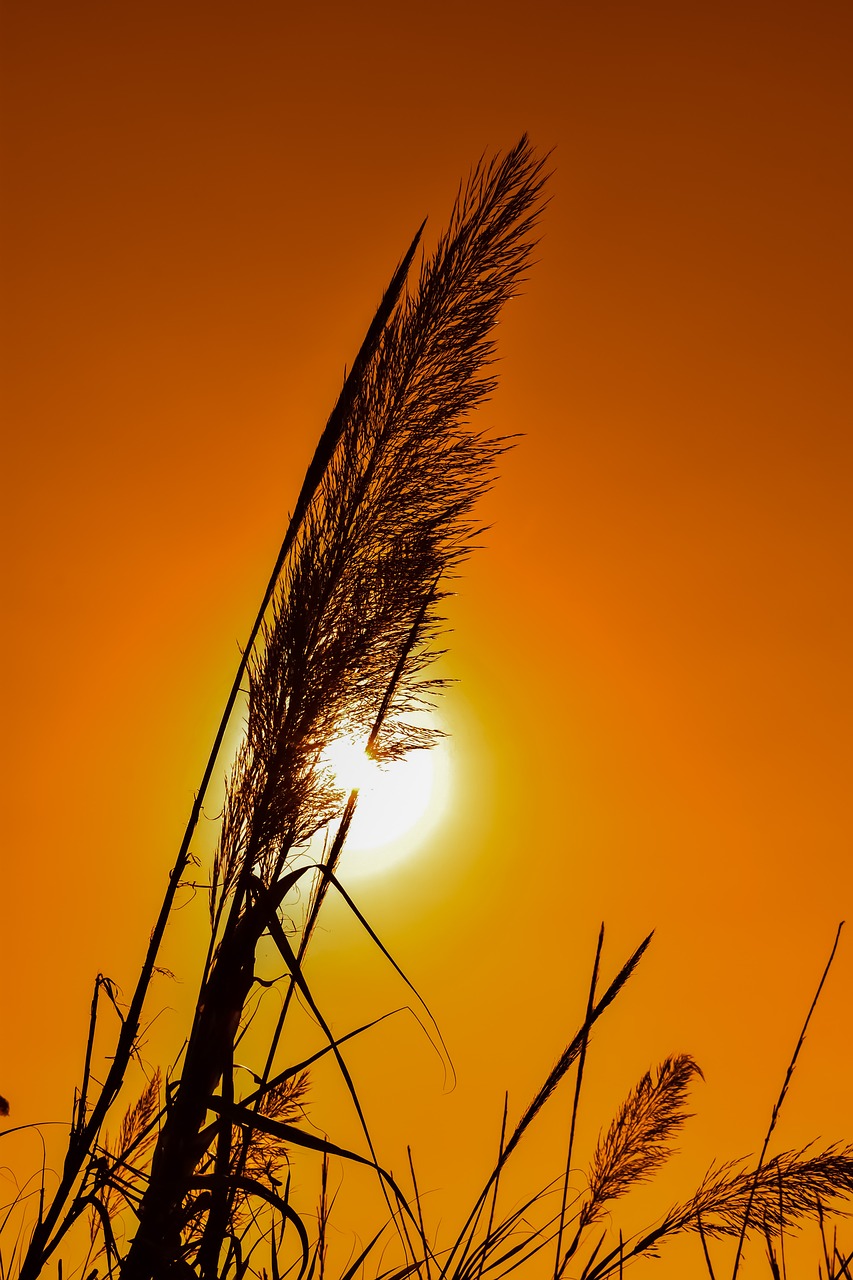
(398, 802)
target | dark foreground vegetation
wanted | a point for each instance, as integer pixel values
(196, 1182)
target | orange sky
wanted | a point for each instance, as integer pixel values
(653, 716)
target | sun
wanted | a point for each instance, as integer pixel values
(399, 803)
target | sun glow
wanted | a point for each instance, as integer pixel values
(398, 804)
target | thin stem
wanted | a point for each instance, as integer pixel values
(558, 1266)
(780, 1100)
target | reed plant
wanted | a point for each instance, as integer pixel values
(199, 1171)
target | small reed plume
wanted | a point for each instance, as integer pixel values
(639, 1140)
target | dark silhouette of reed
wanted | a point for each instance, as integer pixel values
(200, 1170)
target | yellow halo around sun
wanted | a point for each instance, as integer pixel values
(399, 803)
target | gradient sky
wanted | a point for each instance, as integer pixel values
(652, 720)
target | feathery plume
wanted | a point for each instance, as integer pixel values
(787, 1187)
(735, 1199)
(390, 519)
(638, 1141)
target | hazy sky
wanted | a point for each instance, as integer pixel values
(652, 720)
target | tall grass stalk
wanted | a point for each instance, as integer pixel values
(346, 629)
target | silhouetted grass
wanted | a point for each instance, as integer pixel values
(198, 1181)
